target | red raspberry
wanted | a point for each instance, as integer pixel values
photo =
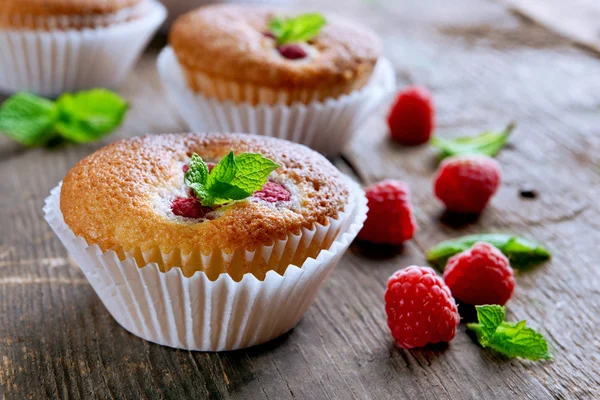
(420, 308)
(466, 183)
(411, 119)
(480, 275)
(292, 51)
(189, 207)
(390, 219)
(273, 192)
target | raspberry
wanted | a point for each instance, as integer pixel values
(273, 192)
(390, 219)
(411, 119)
(480, 275)
(420, 308)
(466, 183)
(189, 207)
(292, 51)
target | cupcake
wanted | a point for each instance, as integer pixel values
(179, 7)
(206, 241)
(304, 77)
(52, 46)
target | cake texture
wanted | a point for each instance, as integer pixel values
(124, 197)
(66, 14)
(227, 52)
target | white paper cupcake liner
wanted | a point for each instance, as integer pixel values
(324, 126)
(50, 62)
(196, 313)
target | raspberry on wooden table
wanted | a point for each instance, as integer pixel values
(412, 117)
(389, 219)
(480, 275)
(466, 183)
(420, 308)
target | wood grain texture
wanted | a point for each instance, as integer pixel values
(485, 67)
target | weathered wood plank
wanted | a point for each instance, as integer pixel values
(485, 67)
(550, 92)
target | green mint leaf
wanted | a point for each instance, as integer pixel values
(226, 192)
(490, 318)
(277, 27)
(202, 194)
(196, 177)
(197, 171)
(89, 115)
(522, 253)
(224, 171)
(487, 143)
(511, 339)
(28, 119)
(253, 171)
(233, 178)
(299, 29)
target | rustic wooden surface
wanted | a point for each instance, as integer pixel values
(485, 67)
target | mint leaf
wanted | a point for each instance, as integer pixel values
(490, 318)
(522, 253)
(197, 171)
(511, 339)
(89, 115)
(226, 192)
(224, 171)
(487, 143)
(299, 29)
(233, 178)
(28, 119)
(253, 171)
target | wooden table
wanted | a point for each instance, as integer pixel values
(485, 67)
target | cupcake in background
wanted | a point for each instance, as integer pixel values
(179, 7)
(206, 241)
(308, 78)
(53, 46)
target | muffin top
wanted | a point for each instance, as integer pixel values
(233, 42)
(131, 194)
(64, 7)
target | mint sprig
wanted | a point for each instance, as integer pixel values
(486, 143)
(28, 119)
(233, 178)
(81, 117)
(508, 338)
(522, 253)
(299, 29)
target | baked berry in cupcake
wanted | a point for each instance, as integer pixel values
(252, 55)
(191, 196)
(68, 45)
(206, 241)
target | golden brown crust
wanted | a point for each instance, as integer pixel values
(20, 14)
(226, 43)
(110, 197)
(64, 7)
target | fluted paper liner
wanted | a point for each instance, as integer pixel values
(324, 126)
(50, 62)
(195, 313)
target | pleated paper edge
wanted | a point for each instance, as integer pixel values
(45, 73)
(324, 126)
(312, 268)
